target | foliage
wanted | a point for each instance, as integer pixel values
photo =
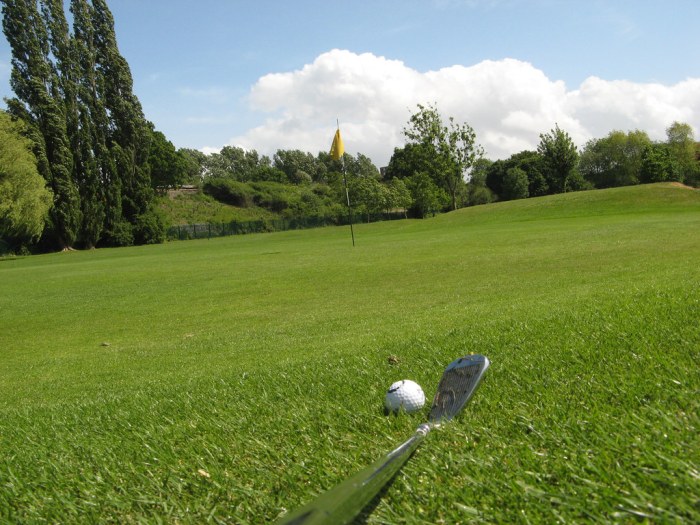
(659, 165)
(428, 198)
(399, 196)
(682, 147)
(360, 167)
(199, 208)
(408, 160)
(529, 162)
(168, 167)
(299, 167)
(614, 160)
(452, 148)
(229, 191)
(515, 184)
(283, 200)
(150, 227)
(477, 190)
(194, 162)
(75, 91)
(120, 233)
(24, 198)
(35, 79)
(559, 156)
(368, 196)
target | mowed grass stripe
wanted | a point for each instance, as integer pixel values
(244, 375)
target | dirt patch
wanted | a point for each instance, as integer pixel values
(681, 185)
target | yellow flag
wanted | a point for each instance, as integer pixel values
(337, 149)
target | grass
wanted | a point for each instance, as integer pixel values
(203, 209)
(227, 380)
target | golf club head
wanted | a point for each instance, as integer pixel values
(458, 384)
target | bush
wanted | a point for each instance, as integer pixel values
(121, 234)
(150, 228)
(274, 196)
(4, 248)
(230, 192)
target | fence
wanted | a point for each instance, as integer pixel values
(223, 229)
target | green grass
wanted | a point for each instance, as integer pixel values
(227, 380)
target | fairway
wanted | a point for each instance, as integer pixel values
(230, 380)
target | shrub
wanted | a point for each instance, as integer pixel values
(150, 227)
(121, 234)
(230, 192)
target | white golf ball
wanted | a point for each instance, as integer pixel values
(406, 395)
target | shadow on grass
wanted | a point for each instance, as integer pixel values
(369, 509)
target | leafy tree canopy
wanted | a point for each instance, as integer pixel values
(560, 157)
(24, 198)
(451, 148)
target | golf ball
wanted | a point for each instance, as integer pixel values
(406, 395)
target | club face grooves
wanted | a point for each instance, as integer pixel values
(458, 384)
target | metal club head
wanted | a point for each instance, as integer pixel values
(458, 384)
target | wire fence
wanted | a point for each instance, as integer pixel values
(224, 229)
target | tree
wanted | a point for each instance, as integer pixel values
(195, 162)
(94, 168)
(659, 165)
(298, 166)
(560, 157)
(368, 196)
(128, 133)
(515, 184)
(615, 160)
(477, 190)
(530, 162)
(409, 160)
(237, 163)
(681, 144)
(427, 197)
(167, 166)
(453, 148)
(24, 198)
(398, 195)
(39, 90)
(360, 166)
(91, 139)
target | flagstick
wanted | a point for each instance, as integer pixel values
(345, 183)
(347, 196)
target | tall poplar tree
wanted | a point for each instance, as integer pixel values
(128, 131)
(75, 91)
(67, 50)
(40, 94)
(91, 152)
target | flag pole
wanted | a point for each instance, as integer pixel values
(339, 151)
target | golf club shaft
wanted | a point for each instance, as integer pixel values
(344, 502)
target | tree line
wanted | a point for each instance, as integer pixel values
(80, 166)
(75, 100)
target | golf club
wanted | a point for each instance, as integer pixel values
(344, 502)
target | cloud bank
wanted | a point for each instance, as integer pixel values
(508, 102)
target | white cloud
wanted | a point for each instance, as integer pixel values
(508, 102)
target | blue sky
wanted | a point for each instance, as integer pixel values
(276, 74)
